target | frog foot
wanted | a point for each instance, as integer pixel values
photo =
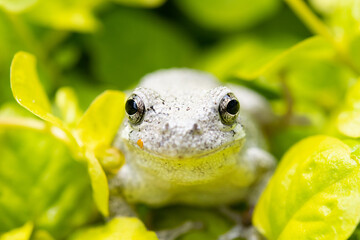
(243, 227)
(172, 234)
(248, 233)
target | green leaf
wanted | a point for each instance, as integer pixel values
(68, 105)
(348, 118)
(22, 233)
(228, 15)
(27, 88)
(120, 228)
(99, 124)
(314, 193)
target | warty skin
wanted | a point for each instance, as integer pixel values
(181, 152)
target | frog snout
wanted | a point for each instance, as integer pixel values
(180, 138)
(192, 128)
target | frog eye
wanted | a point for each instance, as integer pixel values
(135, 109)
(229, 109)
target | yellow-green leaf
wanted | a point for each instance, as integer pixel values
(99, 183)
(99, 124)
(314, 193)
(348, 118)
(95, 132)
(27, 88)
(22, 233)
(68, 105)
(348, 123)
(121, 228)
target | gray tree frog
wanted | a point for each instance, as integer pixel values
(190, 140)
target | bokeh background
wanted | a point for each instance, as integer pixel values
(303, 65)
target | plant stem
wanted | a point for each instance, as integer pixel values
(310, 19)
(40, 126)
(24, 123)
(319, 28)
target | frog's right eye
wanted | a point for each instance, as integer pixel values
(135, 109)
(229, 109)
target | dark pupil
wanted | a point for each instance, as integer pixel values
(131, 107)
(233, 107)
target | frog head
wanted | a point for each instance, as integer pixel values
(186, 134)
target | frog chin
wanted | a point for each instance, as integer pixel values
(189, 169)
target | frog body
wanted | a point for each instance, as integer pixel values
(185, 148)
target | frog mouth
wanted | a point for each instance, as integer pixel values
(183, 154)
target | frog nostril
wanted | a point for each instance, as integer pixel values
(196, 129)
(166, 127)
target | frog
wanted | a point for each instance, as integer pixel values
(189, 139)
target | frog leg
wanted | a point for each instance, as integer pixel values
(261, 164)
(248, 233)
(119, 207)
(236, 231)
(172, 234)
(242, 228)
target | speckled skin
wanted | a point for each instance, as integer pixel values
(189, 156)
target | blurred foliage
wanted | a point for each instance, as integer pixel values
(21, 233)
(150, 43)
(228, 15)
(303, 56)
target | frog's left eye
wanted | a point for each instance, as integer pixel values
(135, 109)
(229, 109)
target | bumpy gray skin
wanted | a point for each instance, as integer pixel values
(189, 156)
